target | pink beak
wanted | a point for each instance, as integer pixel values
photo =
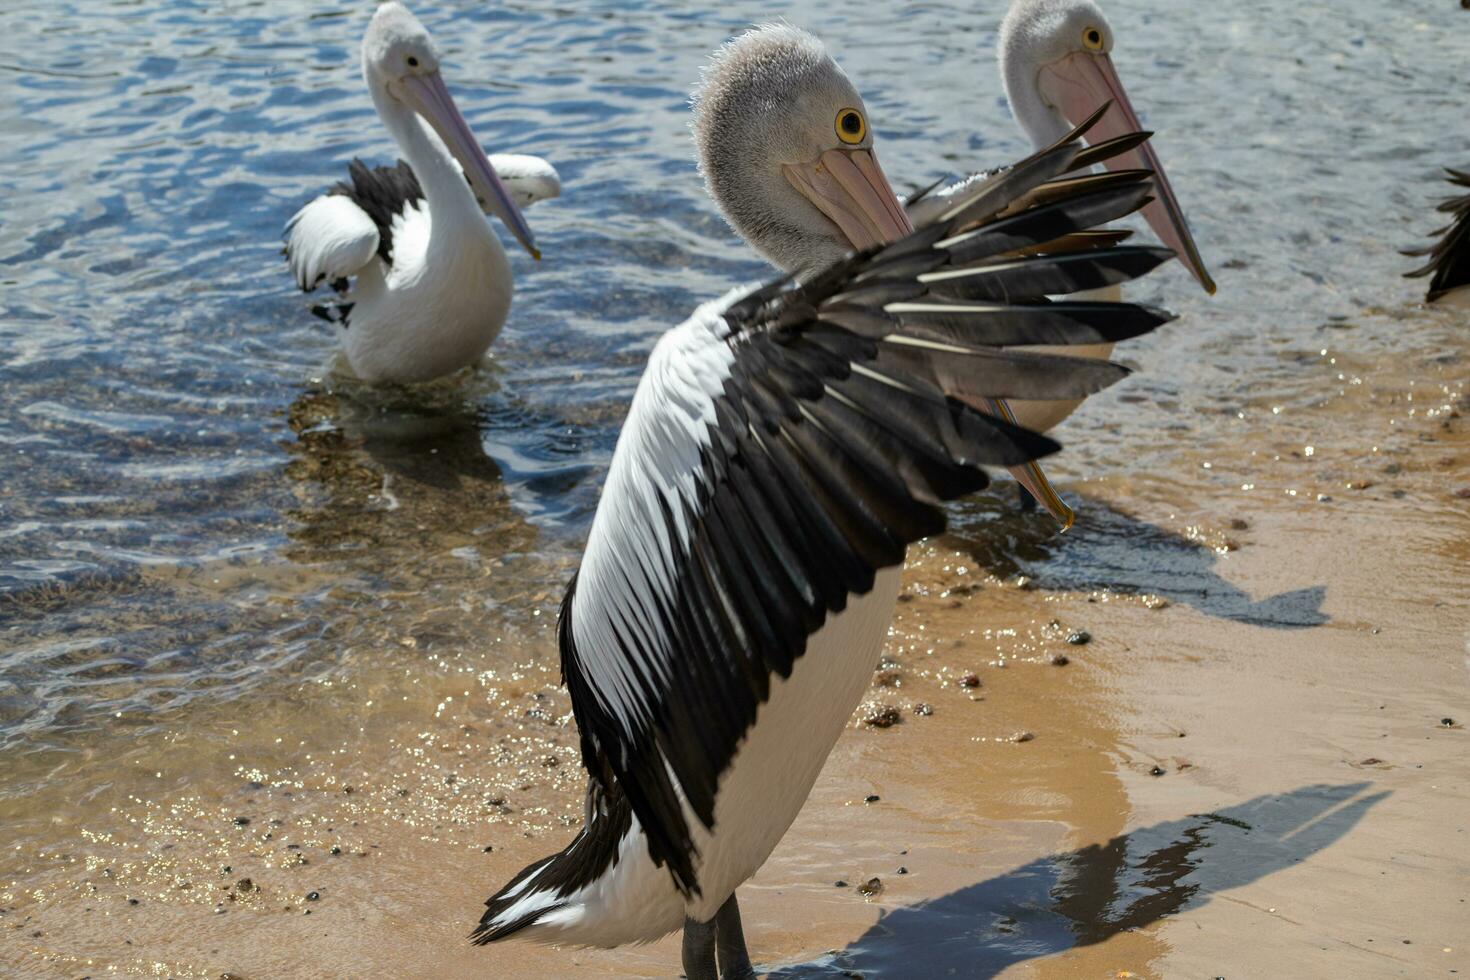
(430, 98)
(1077, 85)
(850, 188)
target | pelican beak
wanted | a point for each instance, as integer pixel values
(427, 95)
(849, 187)
(1077, 85)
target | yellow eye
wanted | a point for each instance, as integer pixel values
(1092, 39)
(851, 127)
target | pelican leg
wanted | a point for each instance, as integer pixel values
(699, 950)
(730, 943)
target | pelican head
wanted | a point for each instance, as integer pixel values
(401, 63)
(786, 150)
(1055, 61)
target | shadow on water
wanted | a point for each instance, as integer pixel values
(1110, 550)
(1088, 895)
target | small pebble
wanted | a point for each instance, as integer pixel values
(1022, 737)
(1079, 637)
(1240, 524)
(313, 896)
(132, 901)
(902, 871)
(970, 680)
(1156, 771)
(883, 716)
(1447, 722)
(242, 821)
(923, 709)
(840, 883)
(336, 849)
(871, 887)
(488, 848)
(872, 798)
(1060, 660)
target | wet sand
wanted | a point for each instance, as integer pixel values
(1244, 770)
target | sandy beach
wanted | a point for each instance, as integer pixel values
(279, 683)
(1242, 756)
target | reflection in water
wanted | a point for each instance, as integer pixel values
(378, 473)
(1112, 551)
(1091, 894)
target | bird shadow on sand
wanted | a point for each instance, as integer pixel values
(1086, 896)
(1112, 551)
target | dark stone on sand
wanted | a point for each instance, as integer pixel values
(132, 901)
(872, 798)
(970, 680)
(313, 896)
(883, 716)
(244, 885)
(1079, 637)
(923, 709)
(242, 821)
(871, 887)
(1447, 722)
(488, 848)
(336, 849)
(902, 870)
(1239, 524)
(1060, 660)
(840, 883)
(1156, 771)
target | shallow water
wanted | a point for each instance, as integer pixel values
(204, 532)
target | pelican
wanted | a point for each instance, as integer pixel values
(1449, 258)
(433, 284)
(784, 446)
(1056, 66)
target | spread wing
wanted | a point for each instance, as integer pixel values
(1449, 257)
(785, 444)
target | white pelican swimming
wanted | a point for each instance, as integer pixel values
(433, 284)
(783, 448)
(1449, 258)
